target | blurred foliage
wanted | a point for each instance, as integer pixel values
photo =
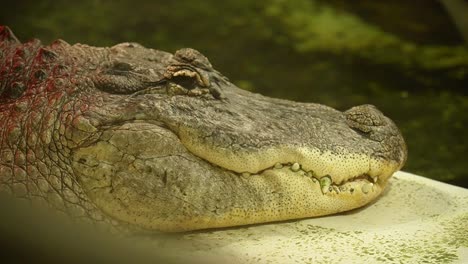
(330, 52)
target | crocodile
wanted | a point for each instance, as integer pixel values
(133, 137)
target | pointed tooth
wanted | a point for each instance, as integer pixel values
(278, 165)
(375, 179)
(325, 189)
(295, 167)
(245, 174)
(325, 183)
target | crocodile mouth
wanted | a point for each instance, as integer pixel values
(333, 172)
(363, 183)
(146, 175)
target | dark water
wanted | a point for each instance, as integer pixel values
(406, 58)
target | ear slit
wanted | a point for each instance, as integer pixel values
(118, 84)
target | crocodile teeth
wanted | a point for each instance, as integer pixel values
(245, 174)
(278, 165)
(335, 188)
(367, 187)
(375, 179)
(325, 183)
(295, 167)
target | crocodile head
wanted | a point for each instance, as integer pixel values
(164, 142)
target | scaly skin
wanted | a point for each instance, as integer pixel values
(143, 138)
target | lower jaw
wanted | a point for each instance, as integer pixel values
(296, 195)
(295, 184)
(287, 195)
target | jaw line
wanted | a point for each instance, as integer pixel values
(363, 182)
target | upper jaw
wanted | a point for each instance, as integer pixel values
(342, 145)
(340, 165)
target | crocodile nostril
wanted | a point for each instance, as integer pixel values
(364, 118)
(368, 121)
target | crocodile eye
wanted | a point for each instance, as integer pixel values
(186, 76)
(184, 79)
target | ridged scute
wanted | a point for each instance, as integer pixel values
(6, 35)
(40, 122)
(15, 62)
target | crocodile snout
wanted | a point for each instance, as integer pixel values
(368, 121)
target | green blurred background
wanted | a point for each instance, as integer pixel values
(405, 57)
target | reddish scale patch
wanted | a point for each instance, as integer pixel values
(49, 83)
(84, 107)
(33, 121)
(50, 79)
(15, 67)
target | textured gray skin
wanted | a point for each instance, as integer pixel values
(85, 126)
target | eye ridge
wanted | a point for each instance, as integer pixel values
(178, 79)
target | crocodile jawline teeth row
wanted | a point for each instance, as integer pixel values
(326, 183)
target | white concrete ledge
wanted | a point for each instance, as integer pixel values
(416, 220)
